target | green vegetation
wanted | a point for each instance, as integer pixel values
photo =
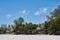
(51, 27)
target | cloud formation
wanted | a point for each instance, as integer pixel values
(23, 11)
(43, 10)
(8, 15)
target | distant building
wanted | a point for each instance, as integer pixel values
(40, 27)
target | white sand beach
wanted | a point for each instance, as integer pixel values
(28, 37)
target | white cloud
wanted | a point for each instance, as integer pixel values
(8, 15)
(23, 11)
(43, 10)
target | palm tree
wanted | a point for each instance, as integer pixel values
(20, 20)
(15, 21)
(18, 25)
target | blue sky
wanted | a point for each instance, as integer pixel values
(34, 11)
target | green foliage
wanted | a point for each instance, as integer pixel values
(49, 27)
(55, 22)
(46, 27)
(56, 12)
(18, 25)
(30, 27)
(20, 20)
(2, 30)
(35, 31)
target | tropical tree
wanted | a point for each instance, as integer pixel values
(20, 20)
(54, 23)
(46, 27)
(29, 28)
(18, 27)
(56, 12)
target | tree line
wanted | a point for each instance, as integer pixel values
(51, 27)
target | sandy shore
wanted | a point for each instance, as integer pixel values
(28, 37)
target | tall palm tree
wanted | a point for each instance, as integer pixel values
(15, 21)
(18, 25)
(20, 20)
